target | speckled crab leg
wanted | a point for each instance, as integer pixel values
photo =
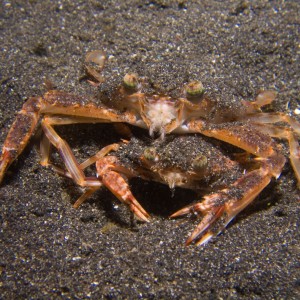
(20, 133)
(106, 169)
(111, 179)
(88, 190)
(74, 108)
(221, 207)
(284, 133)
(227, 203)
(239, 135)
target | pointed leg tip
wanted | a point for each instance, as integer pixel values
(181, 212)
(143, 217)
(4, 163)
(173, 215)
(188, 241)
(205, 239)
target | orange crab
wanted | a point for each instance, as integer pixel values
(245, 127)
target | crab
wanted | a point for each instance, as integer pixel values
(244, 126)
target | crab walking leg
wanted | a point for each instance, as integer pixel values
(88, 192)
(262, 99)
(45, 147)
(243, 136)
(68, 157)
(91, 160)
(229, 202)
(103, 152)
(259, 143)
(74, 109)
(271, 118)
(284, 133)
(45, 152)
(221, 207)
(20, 133)
(295, 156)
(118, 186)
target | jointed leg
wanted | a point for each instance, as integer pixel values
(106, 172)
(272, 118)
(284, 133)
(221, 207)
(76, 173)
(106, 169)
(20, 133)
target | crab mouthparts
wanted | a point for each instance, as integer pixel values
(173, 178)
(159, 113)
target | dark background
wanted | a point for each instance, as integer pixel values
(50, 250)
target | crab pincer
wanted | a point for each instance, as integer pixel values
(118, 186)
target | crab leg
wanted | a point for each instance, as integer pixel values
(262, 99)
(221, 207)
(244, 137)
(20, 133)
(68, 157)
(239, 135)
(88, 192)
(73, 109)
(267, 118)
(227, 203)
(284, 133)
(118, 186)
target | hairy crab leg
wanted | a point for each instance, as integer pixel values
(118, 186)
(221, 207)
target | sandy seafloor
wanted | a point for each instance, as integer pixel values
(50, 250)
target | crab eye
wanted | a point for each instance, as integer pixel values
(150, 154)
(194, 89)
(131, 81)
(200, 162)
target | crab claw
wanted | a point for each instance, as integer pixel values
(118, 186)
(209, 219)
(221, 207)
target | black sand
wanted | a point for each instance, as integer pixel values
(50, 250)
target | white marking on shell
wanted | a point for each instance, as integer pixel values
(173, 179)
(160, 113)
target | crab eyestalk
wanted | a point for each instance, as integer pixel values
(131, 82)
(150, 154)
(200, 163)
(194, 90)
